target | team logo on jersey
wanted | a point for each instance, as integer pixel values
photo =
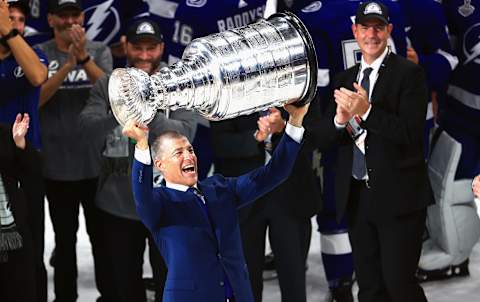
(372, 8)
(145, 28)
(53, 65)
(196, 3)
(103, 22)
(242, 4)
(312, 7)
(466, 9)
(18, 72)
(75, 77)
(471, 44)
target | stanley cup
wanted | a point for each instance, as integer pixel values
(224, 75)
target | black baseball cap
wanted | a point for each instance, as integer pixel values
(20, 4)
(55, 6)
(371, 10)
(144, 29)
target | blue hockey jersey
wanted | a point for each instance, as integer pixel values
(198, 18)
(19, 96)
(463, 102)
(426, 28)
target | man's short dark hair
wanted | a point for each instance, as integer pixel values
(22, 5)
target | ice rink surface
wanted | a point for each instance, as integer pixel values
(457, 289)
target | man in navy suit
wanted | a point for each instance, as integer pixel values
(195, 224)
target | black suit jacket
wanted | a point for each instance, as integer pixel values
(300, 194)
(394, 143)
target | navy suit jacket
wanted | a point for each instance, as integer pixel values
(196, 253)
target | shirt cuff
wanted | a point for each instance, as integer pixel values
(143, 156)
(338, 126)
(365, 115)
(296, 133)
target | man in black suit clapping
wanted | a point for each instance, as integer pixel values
(381, 182)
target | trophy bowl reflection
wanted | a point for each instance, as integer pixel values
(224, 75)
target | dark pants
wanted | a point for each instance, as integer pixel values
(64, 199)
(18, 275)
(386, 250)
(289, 238)
(35, 192)
(125, 241)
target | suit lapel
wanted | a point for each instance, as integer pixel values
(190, 201)
(210, 195)
(352, 77)
(382, 81)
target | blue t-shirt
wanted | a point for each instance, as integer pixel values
(19, 96)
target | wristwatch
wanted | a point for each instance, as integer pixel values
(13, 33)
(84, 61)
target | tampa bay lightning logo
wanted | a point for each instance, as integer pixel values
(312, 7)
(196, 3)
(102, 22)
(471, 44)
(53, 65)
(18, 72)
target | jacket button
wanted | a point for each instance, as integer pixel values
(219, 256)
(222, 283)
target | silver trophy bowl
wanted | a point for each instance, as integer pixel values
(237, 72)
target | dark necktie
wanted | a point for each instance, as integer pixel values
(359, 169)
(198, 194)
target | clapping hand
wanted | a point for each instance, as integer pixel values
(79, 40)
(19, 130)
(5, 22)
(350, 103)
(71, 59)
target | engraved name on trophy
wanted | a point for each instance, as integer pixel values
(224, 75)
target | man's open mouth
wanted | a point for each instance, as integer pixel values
(188, 169)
